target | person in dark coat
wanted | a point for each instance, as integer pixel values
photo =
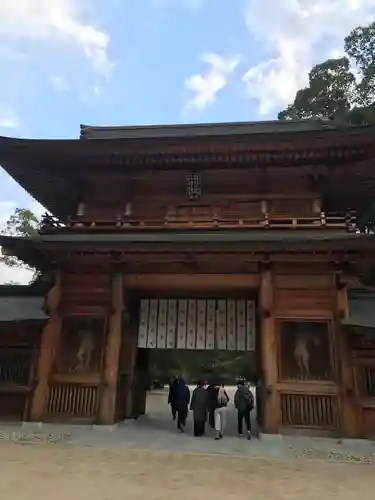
(172, 396)
(212, 403)
(182, 403)
(199, 407)
(244, 403)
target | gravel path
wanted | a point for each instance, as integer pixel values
(148, 459)
(64, 472)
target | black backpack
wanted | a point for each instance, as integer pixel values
(249, 399)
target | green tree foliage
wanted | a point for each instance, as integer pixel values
(22, 222)
(341, 90)
(193, 365)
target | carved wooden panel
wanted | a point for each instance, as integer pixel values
(309, 410)
(81, 344)
(306, 301)
(303, 282)
(83, 291)
(197, 324)
(305, 351)
(290, 207)
(240, 210)
(72, 401)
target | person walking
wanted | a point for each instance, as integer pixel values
(244, 403)
(198, 406)
(212, 404)
(172, 396)
(182, 404)
(221, 412)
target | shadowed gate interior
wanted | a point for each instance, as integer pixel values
(211, 338)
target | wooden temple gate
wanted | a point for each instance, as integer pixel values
(235, 237)
(95, 331)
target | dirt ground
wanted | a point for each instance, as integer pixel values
(37, 471)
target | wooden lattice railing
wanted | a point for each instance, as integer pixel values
(123, 223)
(309, 410)
(72, 400)
(366, 381)
(15, 367)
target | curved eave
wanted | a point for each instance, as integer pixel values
(40, 252)
(149, 140)
(53, 171)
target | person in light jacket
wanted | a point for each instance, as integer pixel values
(221, 412)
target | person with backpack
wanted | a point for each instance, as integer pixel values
(244, 403)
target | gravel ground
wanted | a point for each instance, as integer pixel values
(65, 472)
(149, 459)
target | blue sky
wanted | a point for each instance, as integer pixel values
(66, 62)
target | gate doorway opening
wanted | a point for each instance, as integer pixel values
(156, 367)
(199, 338)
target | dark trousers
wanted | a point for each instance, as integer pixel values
(182, 414)
(199, 427)
(243, 415)
(174, 411)
(211, 418)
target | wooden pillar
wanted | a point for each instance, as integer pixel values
(347, 407)
(107, 411)
(271, 407)
(131, 358)
(47, 349)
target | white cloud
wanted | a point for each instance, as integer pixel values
(205, 86)
(12, 274)
(298, 34)
(59, 83)
(17, 275)
(8, 119)
(63, 20)
(189, 4)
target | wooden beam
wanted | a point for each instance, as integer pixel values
(48, 345)
(170, 282)
(107, 410)
(271, 407)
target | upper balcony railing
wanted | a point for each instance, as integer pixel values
(321, 221)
